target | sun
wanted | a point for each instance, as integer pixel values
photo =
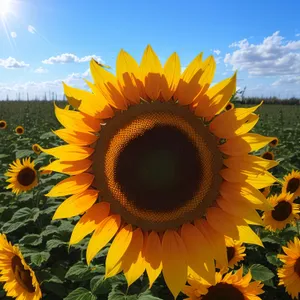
(5, 6)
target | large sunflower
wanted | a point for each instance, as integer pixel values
(22, 176)
(166, 156)
(227, 287)
(289, 274)
(3, 124)
(19, 278)
(291, 183)
(284, 212)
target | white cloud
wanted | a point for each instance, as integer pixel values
(287, 80)
(218, 59)
(271, 57)
(12, 63)
(40, 70)
(13, 34)
(297, 34)
(31, 29)
(217, 51)
(70, 58)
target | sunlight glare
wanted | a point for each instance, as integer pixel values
(4, 6)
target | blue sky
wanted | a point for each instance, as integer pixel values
(43, 42)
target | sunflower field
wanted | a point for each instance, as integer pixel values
(69, 229)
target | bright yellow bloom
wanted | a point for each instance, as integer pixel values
(22, 176)
(36, 149)
(19, 130)
(166, 156)
(291, 183)
(284, 212)
(227, 287)
(19, 279)
(3, 124)
(289, 274)
(265, 191)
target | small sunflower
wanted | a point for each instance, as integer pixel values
(3, 124)
(291, 183)
(19, 130)
(284, 212)
(36, 148)
(227, 287)
(22, 176)
(235, 252)
(289, 274)
(229, 106)
(268, 155)
(19, 279)
(166, 157)
(265, 191)
(274, 142)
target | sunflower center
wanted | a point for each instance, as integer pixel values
(268, 155)
(22, 276)
(230, 253)
(282, 211)
(157, 165)
(223, 291)
(19, 130)
(293, 185)
(2, 124)
(26, 176)
(297, 266)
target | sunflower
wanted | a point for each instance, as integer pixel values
(289, 274)
(227, 287)
(265, 191)
(284, 212)
(20, 280)
(22, 176)
(19, 130)
(36, 149)
(291, 183)
(229, 106)
(268, 155)
(3, 124)
(274, 142)
(235, 252)
(166, 156)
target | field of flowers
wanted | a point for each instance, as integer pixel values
(61, 270)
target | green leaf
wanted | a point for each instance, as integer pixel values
(52, 244)
(32, 239)
(118, 295)
(147, 296)
(272, 259)
(50, 230)
(11, 227)
(23, 153)
(271, 239)
(79, 272)
(261, 273)
(26, 214)
(39, 258)
(47, 135)
(99, 285)
(81, 294)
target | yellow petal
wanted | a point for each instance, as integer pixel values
(104, 232)
(128, 74)
(89, 103)
(171, 76)
(108, 86)
(68, 167)
(151, 73)
(240, 209)
(117, 249)
(76, 120)
(72, 185)
(153, 259)
(249, 162)
(76, 204)
(133, 261)
(89, 221)
(244, 192)
(76, 137)
(244, 144)
(174, 260)
(215, 239)
(199, 255)
(216, 98)
(69, 152)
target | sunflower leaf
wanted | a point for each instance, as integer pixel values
(79, 272)
(81, 294)
(23, 153)
(99, 285)
(10, 227)
(260, 272)
(39, 258)
(31, 239)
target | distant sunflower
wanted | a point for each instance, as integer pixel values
(19, 130)
(289, 274)
(284, 212)
(229, 106)
(22, 176)
(235, 252)
(268, 155)
(19, 279)
(265, 191)
(274, 142)
(3, 124)
(36, 148)
(227, 287)
(167, 155)
(291, 183)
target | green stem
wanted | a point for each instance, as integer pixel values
(297, 228)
